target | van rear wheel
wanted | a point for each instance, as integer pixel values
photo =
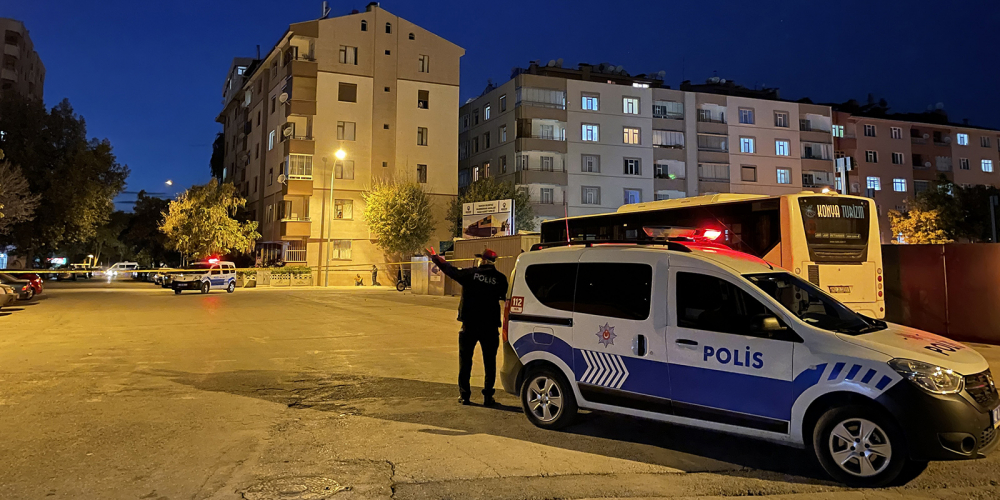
(547, 399)
(206, 287)
(232, 287)
(862, 447)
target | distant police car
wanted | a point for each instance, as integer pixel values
(700, 335)
(207, 276)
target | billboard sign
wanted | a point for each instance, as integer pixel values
(487, 219)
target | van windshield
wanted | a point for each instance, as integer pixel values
(811, 305)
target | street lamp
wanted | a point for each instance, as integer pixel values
(340, 155)
(170, 182)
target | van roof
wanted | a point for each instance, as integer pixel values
(713, 253)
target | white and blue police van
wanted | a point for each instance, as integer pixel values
(700, 335)
(206, 276)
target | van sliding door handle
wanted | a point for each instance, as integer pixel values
(686, 342)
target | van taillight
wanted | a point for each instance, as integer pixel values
(506, 315)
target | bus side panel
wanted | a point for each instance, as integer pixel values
(786, 234)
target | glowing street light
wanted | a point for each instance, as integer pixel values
(340, 154)
(170, 182)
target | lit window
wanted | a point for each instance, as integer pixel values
(899, 185)
(591, 133)
(747, 145)
(590, 102)
(486, 112)
(270, 140)
(897, 158)
(630, 105)
(871, 156)
(784, 175)
(869, 130)
(782, 148)
(631, 135)
(340, 250)
(896, 132)
(874, 183)
(343, 209)
(503, 134)
(746, 115)
(963, 139)
(633, 196)
(987, 165)
(838, 131)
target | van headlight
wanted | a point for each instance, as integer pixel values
(931, 378)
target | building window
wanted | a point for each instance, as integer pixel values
(422, 173)
(346, 131)
(475, 117)
(963, 139)
(423, 99)
(475, 145)
(874, 183)
(424, 64)
(343, 169)
(486, 140)
(422, 137)
(987, 165)
(920, 186)
(784, 175)
(897, 158)
(963, 163)
(486, 169)
(486, 112)
(348, 92)
(591, 133)
(274, 103)
(747, 145)
(631, 135)
(668, 109)
(270, 140)
(590, 102)
(591, 195)
(270, 176)
(748, 173)
(412, 37)
(668, 139)
(340, 250)
(547, 162)
(633, 166)
(746, 115)
(633, 196)
(838, 131)
(899, 185)
(343, 209)
(547, 195)
(590, 163)
(388, 28)
(299, 166)
(984, 141)
(781, 119)
(871, 156)
(669, 169)
(713, 143)
(896, 132)
(524, 161)
(869, 130)
(503, 164)
(782, 148)
(630, 105)
(348, 55)
(503, 134)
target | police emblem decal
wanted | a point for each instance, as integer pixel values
(606, 335)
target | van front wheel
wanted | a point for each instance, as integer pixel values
(860, 446)
(547, 399)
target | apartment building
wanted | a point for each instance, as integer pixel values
(377, 87)
(896, 157)
(588, 140)
(22, 71)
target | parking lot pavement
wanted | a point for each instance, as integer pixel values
(124, 390)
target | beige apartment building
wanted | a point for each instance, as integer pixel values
(22, 71)
(897, 157)
(377, 87)
(588, 140)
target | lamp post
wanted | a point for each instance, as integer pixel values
(340, 155)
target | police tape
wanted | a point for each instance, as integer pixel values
(333, 267)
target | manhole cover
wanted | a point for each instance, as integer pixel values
(294, 488)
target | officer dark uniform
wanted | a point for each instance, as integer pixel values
(483, 287)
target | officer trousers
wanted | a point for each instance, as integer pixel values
(488, 339)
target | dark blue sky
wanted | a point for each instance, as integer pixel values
(148, 75)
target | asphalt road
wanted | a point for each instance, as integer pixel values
(127, 391)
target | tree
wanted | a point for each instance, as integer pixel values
(201, 222)
(76, 178)
(963, 212)
(217, 162)
(142, 233)
(490, 189)
(17, 204)
(918, 226)
(398, 214)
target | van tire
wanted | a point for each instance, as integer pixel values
(542, 389)
(177, 292)
(886, 435)
(232, 287)
(206, 287)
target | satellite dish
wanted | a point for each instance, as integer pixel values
(926, 136)
(927, 164)
(287, 132)
(283, 97)
(939, 105)
(662, 73)
(552, 63)
(282, 178)
(559, 62)
(947, 140)
(245, 157)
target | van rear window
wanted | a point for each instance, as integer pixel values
(614, 290)
(552, 284)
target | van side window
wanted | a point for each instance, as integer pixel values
(216, 270)
(614, 290)
(716, 305)
(552, 284)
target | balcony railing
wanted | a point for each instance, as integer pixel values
(668, 116)
(302, 137)
(942, 144)
(296, 219)
(814, 156)
(548, 137)
(918, 140)
(709, 119)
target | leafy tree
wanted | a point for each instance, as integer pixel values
(398, 213)
(218, 156)
(17, 204)
(963, 212)
(76, 178)
(918, 226)
(490, 189)
(201, 222)
(142, 233)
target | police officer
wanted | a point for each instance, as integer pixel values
(483, 287)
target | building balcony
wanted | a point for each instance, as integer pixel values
(300, 107)
(536, 144)
(918, 140)
(302, 67)
(8, 74)
(295, 229)
(299, 146)
(942, 144)
(558, 177)
(12, 50)
(298, 185)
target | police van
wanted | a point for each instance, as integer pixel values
(206, 276)
(697, 334)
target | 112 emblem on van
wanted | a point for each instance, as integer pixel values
(606, 335)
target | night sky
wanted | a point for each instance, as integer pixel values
(149, 75)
